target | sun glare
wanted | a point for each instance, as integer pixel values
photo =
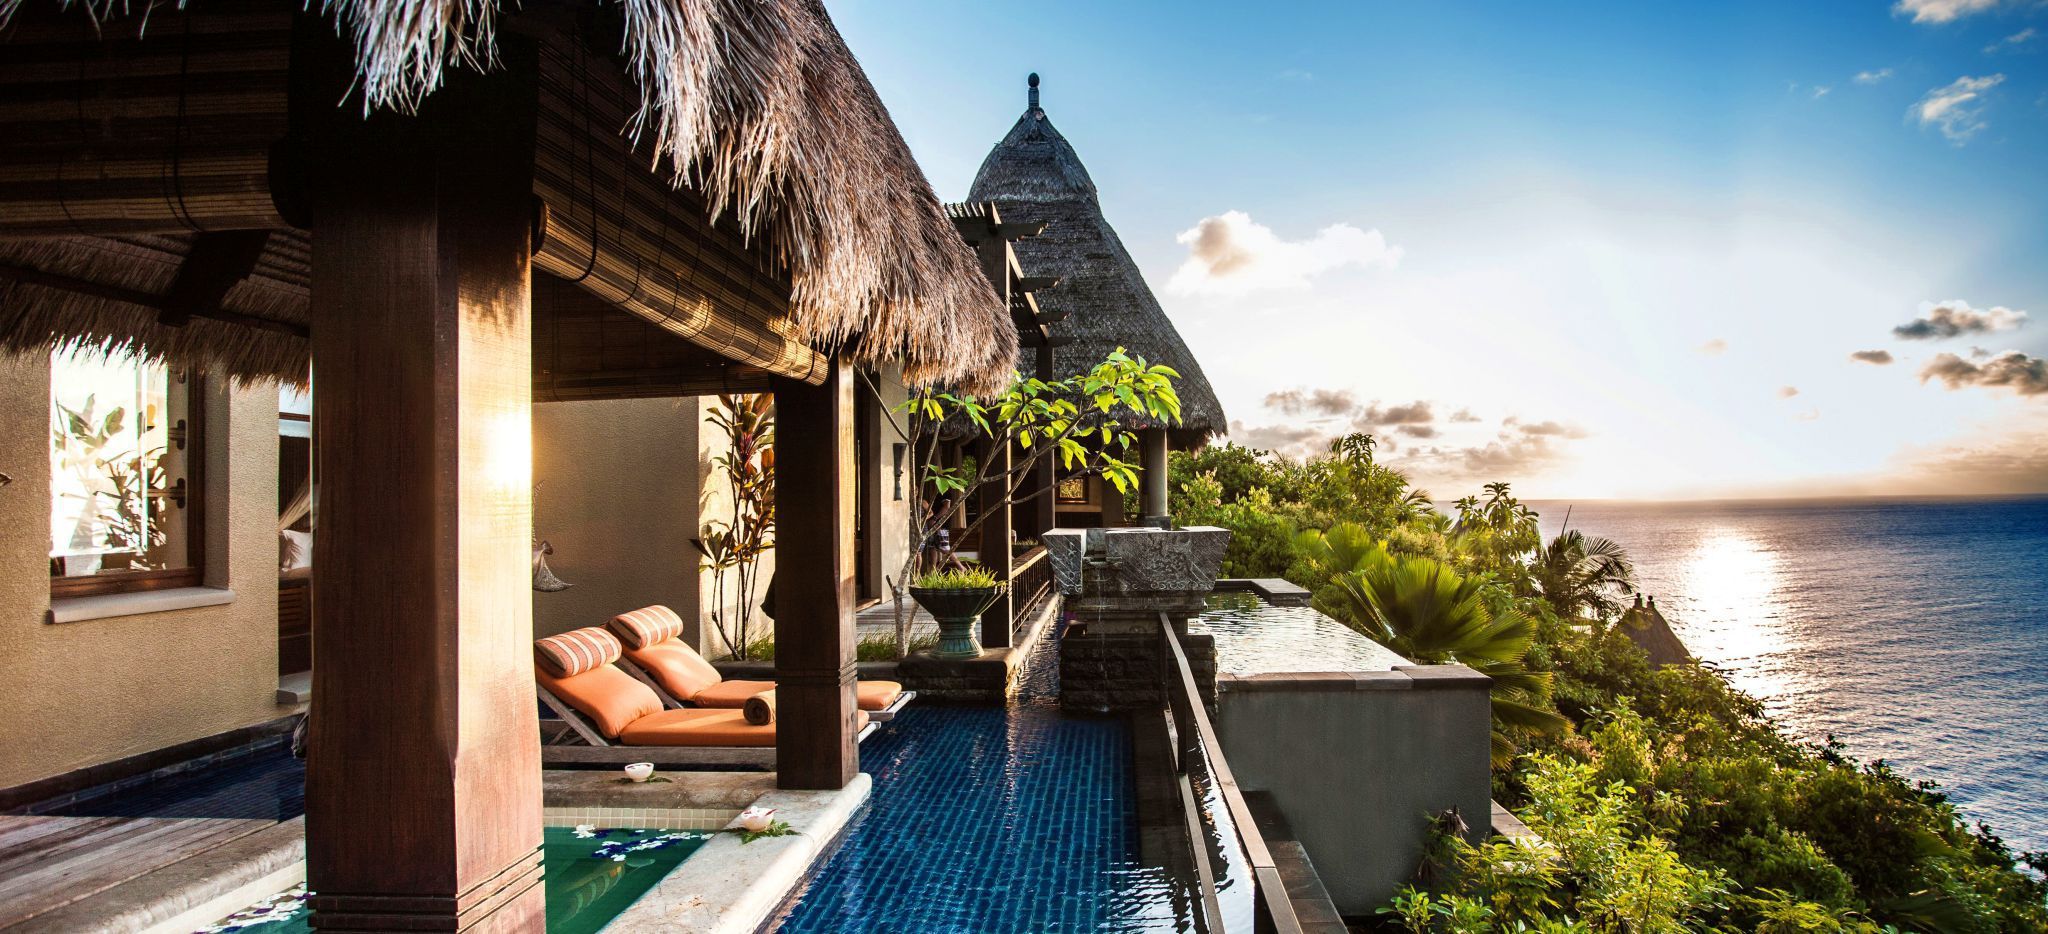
(1733, 612)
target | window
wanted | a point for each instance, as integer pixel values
(125, 458)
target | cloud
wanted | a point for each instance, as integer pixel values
(1873, 77)
(1713, 348)
(1418, 431)
(1545, 429)
(1787, 392)
(1955, 317)
(2025, 375)
(2016, 462)
(1414, 413)
(1230, 253)
(1507, 458)
(2022, 37)
(1463, 416)
(1877, 357)
(1315, 401)
(1940, 11)
(1958, 108)
(1809, 415)
(1820, 91)
(1295, 441)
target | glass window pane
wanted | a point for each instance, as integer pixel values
(116, 466)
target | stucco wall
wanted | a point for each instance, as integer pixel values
(1358, 762)
(83, 693)
(625, 485)
(893, 525)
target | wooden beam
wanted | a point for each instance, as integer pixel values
(423, 800)
(1044, 510)
(1037, 283)
(814, 583)
(1018, 230)
(218, 260)
(114, 293)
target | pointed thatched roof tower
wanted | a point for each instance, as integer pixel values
(1033, 175)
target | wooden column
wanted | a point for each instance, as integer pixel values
(995, 545)
(1043, 512)
(814, 596)
(423, 800)
(1152, 485)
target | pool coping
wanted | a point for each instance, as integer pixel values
(730, 887)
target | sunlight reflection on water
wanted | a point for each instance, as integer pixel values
(1911, 631)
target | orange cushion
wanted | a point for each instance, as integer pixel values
(679, 670)
(646, 626)
(576, 651)
(877, 695)
(871, 695)
(732, 694)
(698, 726)
(609, 697)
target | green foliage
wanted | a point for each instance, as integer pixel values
(960, 577)
(1671, 800)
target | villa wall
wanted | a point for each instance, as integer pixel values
(1359, 761)
(624, 485)
(86, 692)
(893, 524)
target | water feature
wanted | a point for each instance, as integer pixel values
(1257, 637)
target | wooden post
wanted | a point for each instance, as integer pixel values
(1043, 512)
(814, 645)
(1152, 453)
(423, 800)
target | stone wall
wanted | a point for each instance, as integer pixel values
(1103, 672)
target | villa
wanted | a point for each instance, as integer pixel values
(352, 382)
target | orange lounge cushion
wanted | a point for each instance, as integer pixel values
(682, 672)
(576, 651)
(732, 694)
(871, 695)
(646, 626)
(611, 698)
(699, 726)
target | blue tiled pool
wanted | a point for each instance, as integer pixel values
(266, 784)
(986, 819)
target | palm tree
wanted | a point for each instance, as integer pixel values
(1432, 615)
(1584, 578)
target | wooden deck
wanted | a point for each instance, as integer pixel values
(47, 863)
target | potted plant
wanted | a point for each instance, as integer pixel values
(956, 597)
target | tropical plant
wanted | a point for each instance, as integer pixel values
(1584, 577)
(732, 547)
(1077, 422)
(963, 576)
(117, 480)
(1431, 614)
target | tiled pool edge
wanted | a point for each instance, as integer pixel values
(729, 887)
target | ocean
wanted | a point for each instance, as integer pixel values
(1913, 631)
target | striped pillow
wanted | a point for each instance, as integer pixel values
(576, 651)
(647, 626)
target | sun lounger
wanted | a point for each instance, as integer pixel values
(654, 653)
(621, 720)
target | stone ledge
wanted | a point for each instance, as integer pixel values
(1437, 677)
(729, 887)
(600, 788)
(1405, 678)
(191, 893)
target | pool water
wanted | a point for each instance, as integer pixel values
(1255, 637)
(994, 819)
(590, 876)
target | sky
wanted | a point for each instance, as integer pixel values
(1597, 250)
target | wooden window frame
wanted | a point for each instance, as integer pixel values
(194, 573)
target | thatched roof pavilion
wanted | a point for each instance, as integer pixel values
(449, 210)
(1034, 175)
(756, 115)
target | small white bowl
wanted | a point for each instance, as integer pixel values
(755, 819)
(640, 771)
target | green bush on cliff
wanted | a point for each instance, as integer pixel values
(1683, 785)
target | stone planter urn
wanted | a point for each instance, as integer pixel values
(959, 613)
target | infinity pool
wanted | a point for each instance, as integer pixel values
(590, 875)
(1256, 637)
(995, 819)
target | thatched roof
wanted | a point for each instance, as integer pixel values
(1034, 175)
(1647, 628)
(756, 105)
